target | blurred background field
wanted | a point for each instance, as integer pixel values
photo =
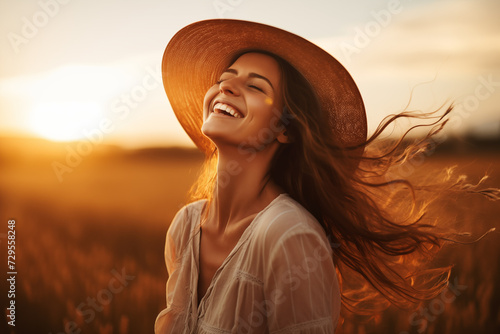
(110, 215)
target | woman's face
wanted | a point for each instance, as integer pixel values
(244, 107)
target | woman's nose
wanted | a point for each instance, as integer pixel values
(229, 87)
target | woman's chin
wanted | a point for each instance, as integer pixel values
(211, 131)
(218, 137)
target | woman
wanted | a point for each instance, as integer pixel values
(288, 202)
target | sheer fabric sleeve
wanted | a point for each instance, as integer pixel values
(168, 317)
(301, 288)
(172, 240)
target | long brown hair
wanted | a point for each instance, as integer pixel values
(375, 220)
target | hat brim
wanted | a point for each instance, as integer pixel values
(199, 51)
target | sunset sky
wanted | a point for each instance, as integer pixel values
(72, 67)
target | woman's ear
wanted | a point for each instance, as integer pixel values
(284, 138)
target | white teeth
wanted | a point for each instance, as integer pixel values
(219, 107)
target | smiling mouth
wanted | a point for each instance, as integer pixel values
(225, 109)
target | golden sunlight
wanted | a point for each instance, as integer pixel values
(64, 121)
(71, 100)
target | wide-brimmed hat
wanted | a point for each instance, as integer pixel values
(202, 50)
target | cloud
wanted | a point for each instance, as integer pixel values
(462, 35)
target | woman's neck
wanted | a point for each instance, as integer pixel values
(243, 188)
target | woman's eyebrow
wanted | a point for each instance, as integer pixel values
(251, 75)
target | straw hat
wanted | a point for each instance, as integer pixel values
(201, 50)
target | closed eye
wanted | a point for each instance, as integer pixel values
(255, 87)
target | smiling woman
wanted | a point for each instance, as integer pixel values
(250, 101)
(310, 209)
(64, 121)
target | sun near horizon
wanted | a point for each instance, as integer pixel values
(63, 121)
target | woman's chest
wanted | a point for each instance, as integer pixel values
(213, 253)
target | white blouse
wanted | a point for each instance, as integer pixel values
(279, 278)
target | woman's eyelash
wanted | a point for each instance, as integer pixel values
(258, 88)
(218, 82)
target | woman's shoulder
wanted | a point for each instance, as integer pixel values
(286, 217)
(186, 218)
(193, 208)
(286, 212)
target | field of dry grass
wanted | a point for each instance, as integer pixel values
(89, 249)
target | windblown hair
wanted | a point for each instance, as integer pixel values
(376, 219)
